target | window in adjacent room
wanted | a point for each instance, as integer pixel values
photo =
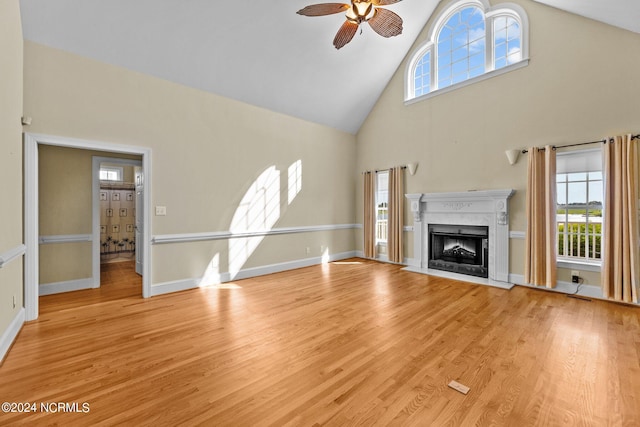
(580, 205)
(111, 173)
(469, 41)
(382, 206)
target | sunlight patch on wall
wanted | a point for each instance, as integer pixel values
(211, 275)
(259, 210)
(295, 179)
(325, 256)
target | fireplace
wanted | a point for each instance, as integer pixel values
(462, 235)
(462, 249)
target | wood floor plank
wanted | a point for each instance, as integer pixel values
(346, 343)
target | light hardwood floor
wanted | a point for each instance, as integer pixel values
(348, 343)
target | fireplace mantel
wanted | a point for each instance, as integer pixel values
(485, 208)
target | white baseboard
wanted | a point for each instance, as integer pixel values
(412, 262)
(10, 334)
(588, 291)
(67, 286)
(174, 286)
(181, 285)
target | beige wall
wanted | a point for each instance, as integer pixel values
(11, 52)
(206, 153)
(582, 84)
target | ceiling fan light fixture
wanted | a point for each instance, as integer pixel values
(384, 22)
(360, 11)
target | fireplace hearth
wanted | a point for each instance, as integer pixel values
(462, 249)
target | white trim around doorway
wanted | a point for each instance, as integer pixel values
(31, 209)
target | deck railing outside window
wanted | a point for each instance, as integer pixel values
(579, 237)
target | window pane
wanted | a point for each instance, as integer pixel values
(577, 193)
(460, 53)
(476, 46)
(460, 67)
(561, 177)
(476, 71)
(444, 46)
(594, 214)
(595, 192)
(514, 57)
(513, 30)
(462, 36)
(561, 193)
(457, 78)
(501, 22)
(422, 82)
(507, 41)
(444, 72)
(595, 175)
(577, 176)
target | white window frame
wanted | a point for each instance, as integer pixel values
(580, 263)
(430, 45)
(119, 170)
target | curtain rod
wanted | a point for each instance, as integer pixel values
(383, 170)
(602, 141)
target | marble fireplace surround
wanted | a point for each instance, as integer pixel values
(486, 208)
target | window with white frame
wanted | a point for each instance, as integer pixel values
(111, 173)
(580, 205)
(469, 41)
(382, 206)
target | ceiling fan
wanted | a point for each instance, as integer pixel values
(383, 21)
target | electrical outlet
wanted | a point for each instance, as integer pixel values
(575, 276)
(308, 250)
(161, 210)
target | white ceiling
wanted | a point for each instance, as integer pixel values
(620, 13)
(258, 52)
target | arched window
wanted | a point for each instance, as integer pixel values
(469, 41)
(461, 47)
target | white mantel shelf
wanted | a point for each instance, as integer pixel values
(482, 208)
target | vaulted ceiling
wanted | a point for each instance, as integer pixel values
(258, 52)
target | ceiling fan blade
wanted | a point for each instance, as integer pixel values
(384, 2)
(345, 34)
(323, 9)
(386, 23)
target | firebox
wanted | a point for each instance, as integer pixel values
(460, 249)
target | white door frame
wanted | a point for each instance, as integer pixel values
(31, 213)
(95, 208)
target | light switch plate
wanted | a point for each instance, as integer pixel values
(161, 210)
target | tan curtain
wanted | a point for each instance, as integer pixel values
(369, 223)
(540, 250)
(396, 214)
(620, 228)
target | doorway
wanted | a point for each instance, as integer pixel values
(31, 212)
(118, 194)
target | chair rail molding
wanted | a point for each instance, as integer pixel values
(223, 235)
(12, 254)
